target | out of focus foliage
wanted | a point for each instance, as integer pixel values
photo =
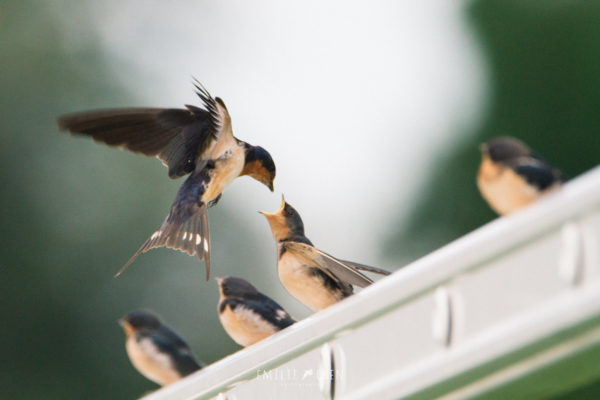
(543, 60)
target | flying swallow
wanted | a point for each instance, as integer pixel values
(155, 350)
(312, 276)
(195, 141)
(512, 176)
(247, 315)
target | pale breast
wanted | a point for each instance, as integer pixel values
(146, 358)
(244, 326)
(227, 168)
(504, 190)
(307, 288)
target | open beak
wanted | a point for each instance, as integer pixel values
(270, 215)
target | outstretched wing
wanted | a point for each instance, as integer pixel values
(178, 137)
(339, 269)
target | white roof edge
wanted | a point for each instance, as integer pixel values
(574, 201)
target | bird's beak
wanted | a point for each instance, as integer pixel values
(271, 215)
(282, 202)
(220, 280)
(483, 148)
(126, 327)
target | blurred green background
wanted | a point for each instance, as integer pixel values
(73, 211)
(543, 60)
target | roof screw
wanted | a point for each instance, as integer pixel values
(571, 256)
(327, 372)
(441, 322)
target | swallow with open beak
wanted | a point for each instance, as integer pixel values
(313, 277)
(195, 141)
(247, 315)
(512, 176)
(155, 350)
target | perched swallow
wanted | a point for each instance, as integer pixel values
(155, 350)
(312, 276)
(512, 176)
(247, 315)
(195, 141)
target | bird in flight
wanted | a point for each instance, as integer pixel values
(192, 140)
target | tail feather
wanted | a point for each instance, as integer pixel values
(206, 244)
(188, 234)
(367, 268)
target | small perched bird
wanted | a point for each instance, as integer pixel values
(155, 350)
(195, 141)
(512, 176)
(312, 276)
(247, 315)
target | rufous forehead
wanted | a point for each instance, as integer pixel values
(129, 330)
(488, 169)
(255, 168)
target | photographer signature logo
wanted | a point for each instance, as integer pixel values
(294, 377)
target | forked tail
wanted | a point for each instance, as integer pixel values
(185, 229)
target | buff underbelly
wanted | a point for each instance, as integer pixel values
(244, 326)
(146, 359)
(225, 171)
(306, 287)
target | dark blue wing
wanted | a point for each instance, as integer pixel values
(175, 136)
(536, 172)
(170, 343)
(269, 310)
(262, 305)
(178, 137)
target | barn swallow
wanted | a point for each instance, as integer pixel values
(195, 141)
(155, 350)
(313, 277)
(247, 315)
(512, 176)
